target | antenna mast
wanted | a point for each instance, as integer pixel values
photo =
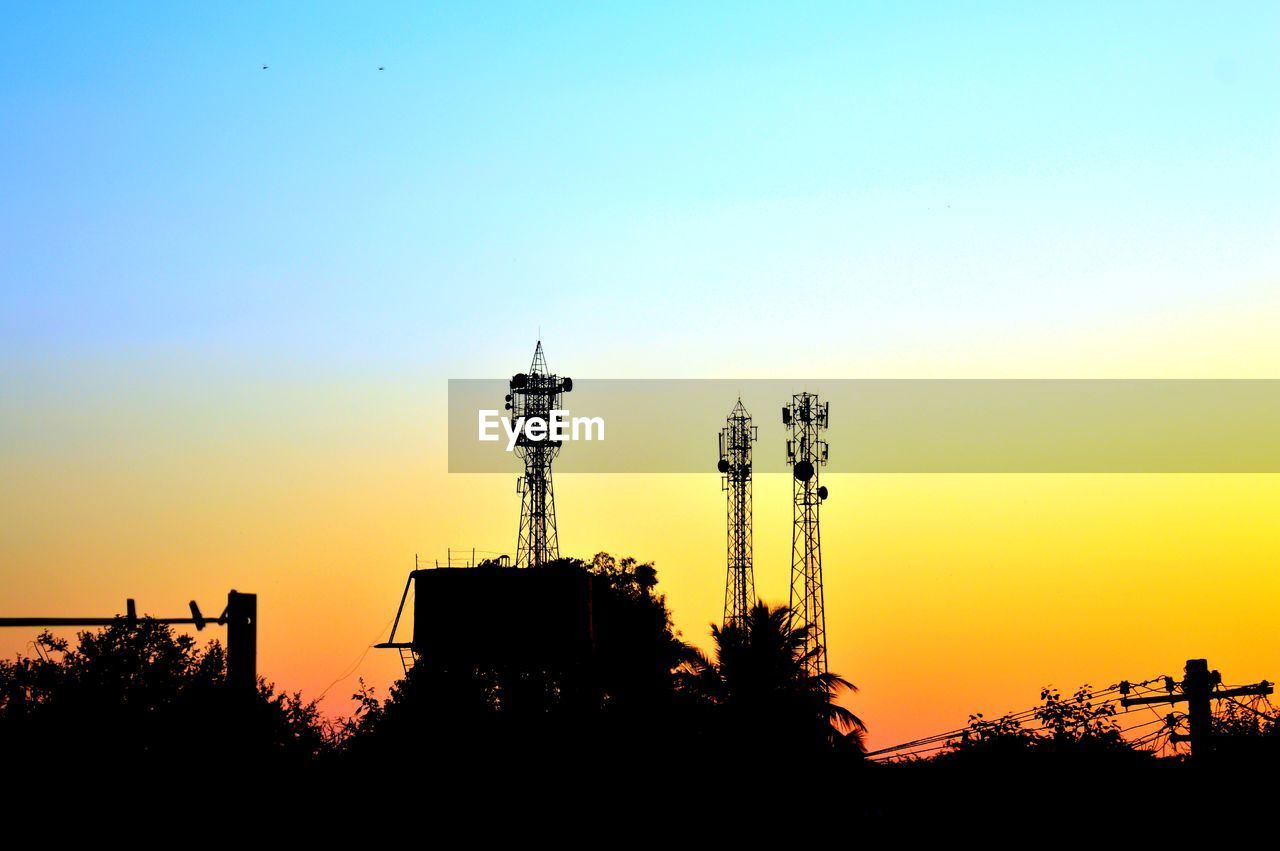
(536, 394)
(735, 467)
(806, 417)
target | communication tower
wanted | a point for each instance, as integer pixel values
(735, 468)
(536, 394)
(806, 418)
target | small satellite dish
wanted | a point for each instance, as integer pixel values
(723, 466)
(567, 385)
(519, 380)
(822, 492)
(803, 471)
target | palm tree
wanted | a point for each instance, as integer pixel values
(761, 680)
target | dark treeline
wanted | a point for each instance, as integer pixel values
(137, 698)
(644, 692)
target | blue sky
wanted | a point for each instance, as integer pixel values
(230, 298)
(698, 175)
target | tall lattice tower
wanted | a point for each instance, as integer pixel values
(536, 394)
(735, 467)
(806, 418)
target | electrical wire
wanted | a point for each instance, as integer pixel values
(356, 665)
(922, 745)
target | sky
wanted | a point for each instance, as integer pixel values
(231, 298)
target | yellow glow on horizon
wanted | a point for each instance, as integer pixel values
(945, 594)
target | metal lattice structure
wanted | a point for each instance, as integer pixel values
(735, 467)
(806, 418)
(536, 394)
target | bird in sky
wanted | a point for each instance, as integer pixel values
(380, 68)
(264, 67)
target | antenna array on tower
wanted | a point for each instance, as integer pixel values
(735, 467)
(535, 395)
(806, 418)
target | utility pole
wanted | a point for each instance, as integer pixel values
(1197, 691)
(242, 642)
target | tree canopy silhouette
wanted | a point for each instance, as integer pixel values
(136, 693)
(764, 691)
(620, 698)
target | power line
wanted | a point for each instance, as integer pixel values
(914, 749)
(1093, 698)
(360, 661)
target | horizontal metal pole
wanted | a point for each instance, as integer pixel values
(96, 621)
(1139, 701)
(1263, 688)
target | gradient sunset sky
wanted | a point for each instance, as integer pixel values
(230, 299)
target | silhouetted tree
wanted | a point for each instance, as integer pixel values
(1246, 733)
(637, 647)
(1064, 758)
(134, 693)
(1078, 722)
(765, 692)
(1076, 731)
(621, 698)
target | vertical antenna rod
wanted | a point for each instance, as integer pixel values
(735, 468)
(806, 418)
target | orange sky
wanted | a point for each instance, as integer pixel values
(233, 290)
(946, 594)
